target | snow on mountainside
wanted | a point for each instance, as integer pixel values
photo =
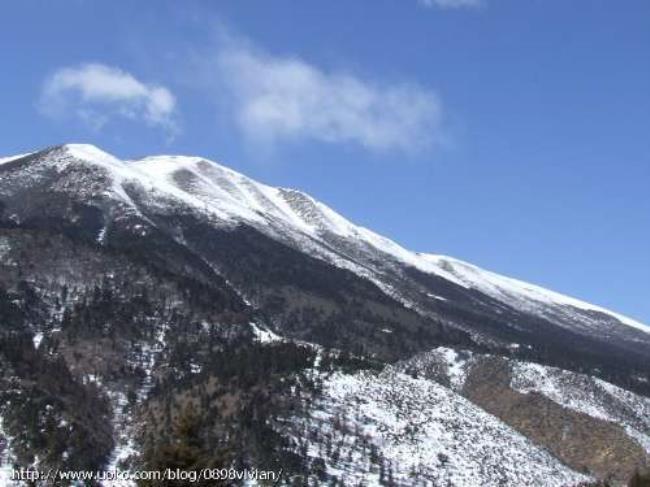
(173, 182)
(579, 392)
(390, 427)
(588, 395)
(517, 292)
(11, 158)
(237, 197)
(6, 468)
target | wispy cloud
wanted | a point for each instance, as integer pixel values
(448, 4)
(284, 98)
(96, 93)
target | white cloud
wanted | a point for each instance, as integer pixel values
(451, 3)
(96, 93)
(281, 98)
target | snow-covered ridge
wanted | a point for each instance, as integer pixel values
(507, 289)
(13, 158)
(231, 197)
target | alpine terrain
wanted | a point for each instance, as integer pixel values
(169, 312)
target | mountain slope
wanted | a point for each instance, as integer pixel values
(582, 420)
(399, 430)
(484, 304)
(145, 286)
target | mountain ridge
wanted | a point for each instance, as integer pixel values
(175, 292)
(150, 167)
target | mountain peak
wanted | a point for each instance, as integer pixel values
(89, 152)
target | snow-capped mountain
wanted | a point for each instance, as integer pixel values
(176, 267)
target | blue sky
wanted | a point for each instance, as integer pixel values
(510, 133)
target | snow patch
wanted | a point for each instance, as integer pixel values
(439, 298)
(6, 457)
(37, 339)
(456, 367)
(101, 236)
(124, 435)
(264, 335)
